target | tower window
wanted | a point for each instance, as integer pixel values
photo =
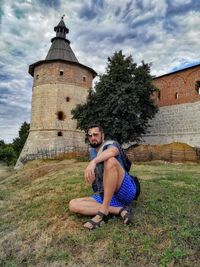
(61, 72)
(159, 95)
(176, 95)
(37, 76)
(59, 133)
(84, 78)
(197, 87)
(68, 99)
(61, 116)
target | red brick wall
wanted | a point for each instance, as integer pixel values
(182, 82)
(49, 73)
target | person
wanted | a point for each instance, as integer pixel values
(118, 188)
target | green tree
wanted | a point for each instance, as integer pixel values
(2, 143)
(8, 155)
(121, 101)
(18, 143)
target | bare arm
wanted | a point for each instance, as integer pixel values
(105, 155)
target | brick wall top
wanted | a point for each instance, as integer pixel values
(178, 88)
(62, 73)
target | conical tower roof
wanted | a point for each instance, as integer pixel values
(60, 48)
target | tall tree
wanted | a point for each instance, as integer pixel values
(121, 101)
(19, 142)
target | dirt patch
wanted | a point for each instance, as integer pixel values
(5, 171)
(147, 177)
(174, 152)
(39, 168)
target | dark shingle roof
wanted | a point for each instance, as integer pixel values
(60, 48)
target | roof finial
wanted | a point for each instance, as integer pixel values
(63, 16)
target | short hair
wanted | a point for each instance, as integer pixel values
(95, 125)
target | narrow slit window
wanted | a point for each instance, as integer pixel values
(61, 72)
(198, 87)
(84, 78)
(176, 95)
(61, 116)
(37, 76)
(159, 95)
(68, 99)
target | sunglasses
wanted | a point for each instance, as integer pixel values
(92, 134)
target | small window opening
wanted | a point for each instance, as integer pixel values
(60, 115)
(37, 76)
(159, 95)
(60, 134)
(68, 99)
(176, 95)
(198, 87)
(84, 78)
(61, 72)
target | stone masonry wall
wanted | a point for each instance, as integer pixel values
(58, 87)
(62, 73)
(178, 119)
(177, 123)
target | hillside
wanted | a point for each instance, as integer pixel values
(37, 229)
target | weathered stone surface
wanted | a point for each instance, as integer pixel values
(175, 152)
(54, 96)
(177, 123)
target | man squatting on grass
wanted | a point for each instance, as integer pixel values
(118, 188)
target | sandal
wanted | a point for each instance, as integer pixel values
(127, 216)
(103, 219)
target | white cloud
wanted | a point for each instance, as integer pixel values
(145, 29)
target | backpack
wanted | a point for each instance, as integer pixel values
(137, 184)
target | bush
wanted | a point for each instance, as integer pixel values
(8, 155)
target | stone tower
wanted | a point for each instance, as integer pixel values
(60, 82)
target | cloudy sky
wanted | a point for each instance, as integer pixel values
(163, 32)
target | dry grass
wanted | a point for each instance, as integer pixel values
(37, 229)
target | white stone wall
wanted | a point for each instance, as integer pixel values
(177, 123)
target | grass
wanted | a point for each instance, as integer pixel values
(37, 229)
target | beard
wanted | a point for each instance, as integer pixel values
(95, 145)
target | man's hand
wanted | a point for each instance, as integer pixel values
(89, 172)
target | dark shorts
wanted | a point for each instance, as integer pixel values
(124, 196)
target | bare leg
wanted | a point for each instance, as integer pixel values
(89, 206)
(112, 180)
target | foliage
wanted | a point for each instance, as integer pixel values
(2, 143)
(18, 143)
(121, 101)
(8, 155)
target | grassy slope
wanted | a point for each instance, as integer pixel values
(37, 229)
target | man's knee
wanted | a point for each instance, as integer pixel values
(73, 205)
(111, 163)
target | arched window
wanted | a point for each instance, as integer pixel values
(61, 72)
(176, 95)
(197, 87)
(68, 99)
